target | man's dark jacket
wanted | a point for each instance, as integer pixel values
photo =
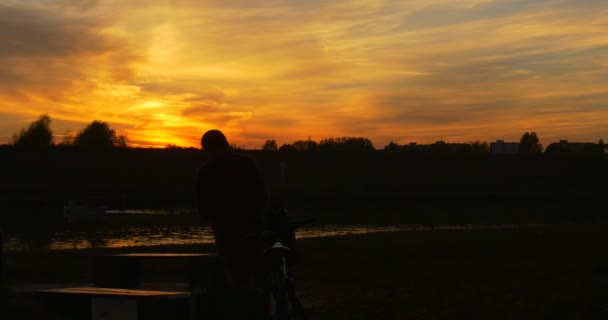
(231, 196)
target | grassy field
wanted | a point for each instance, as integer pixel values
(522, 273)
(529, 272)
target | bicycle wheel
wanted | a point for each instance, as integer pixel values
(284, 303)
(296, 310)
(279, 300)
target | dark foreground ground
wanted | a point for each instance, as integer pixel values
(528, 272)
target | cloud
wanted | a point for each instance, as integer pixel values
(166, 71)
(471, 12)
(47, 57)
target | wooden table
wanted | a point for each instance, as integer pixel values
(116, 304)
(124, 270)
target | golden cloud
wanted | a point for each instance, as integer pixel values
(165, 72)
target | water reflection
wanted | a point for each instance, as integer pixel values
(175, 235)
(154, 211)
(45, 228)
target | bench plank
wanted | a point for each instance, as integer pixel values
(116, 292)
(116, 303)
(164, 255)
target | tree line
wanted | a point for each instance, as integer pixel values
(345, 144)
(97, 135)
(528, 144)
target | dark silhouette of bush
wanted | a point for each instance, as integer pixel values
(576, 149)
(480, 147)
(38, 135)
(286, 147)
(237, 147)
(305, 145)
(529, 143)
(598, 149)
(556, 149)
(270, 145)
(98, 135)
(440, 147)
(393, 147)
(172, 146)
(346, 144)
(121, 141)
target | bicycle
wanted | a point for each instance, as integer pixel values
(278, 258)
(273, 297)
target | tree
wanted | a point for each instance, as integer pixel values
(480, 147)
(440, 147)
(99, 136)
(305, 145)
(270, 145)
(37, 135)
(121, 141)
(346, 144)
(236, 147)
(594, 150)
(556, 149)
(287, 148)
(529, 143)
(392, 147)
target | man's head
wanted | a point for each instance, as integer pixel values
(214, 141)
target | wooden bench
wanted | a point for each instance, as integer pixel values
(124, 270)
(116, 304)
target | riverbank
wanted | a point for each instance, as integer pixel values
(534, 272)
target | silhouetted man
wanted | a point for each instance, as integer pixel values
(1, 260)
(231, 196)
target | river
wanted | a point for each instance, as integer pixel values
(151, 228)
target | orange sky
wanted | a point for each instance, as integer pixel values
(164, 72)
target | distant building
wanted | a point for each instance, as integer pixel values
(456, 147)
(576, 146)
(502, 147)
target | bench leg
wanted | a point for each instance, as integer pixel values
(117, 273)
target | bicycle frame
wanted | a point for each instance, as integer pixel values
(278, 259)
(274, 279)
